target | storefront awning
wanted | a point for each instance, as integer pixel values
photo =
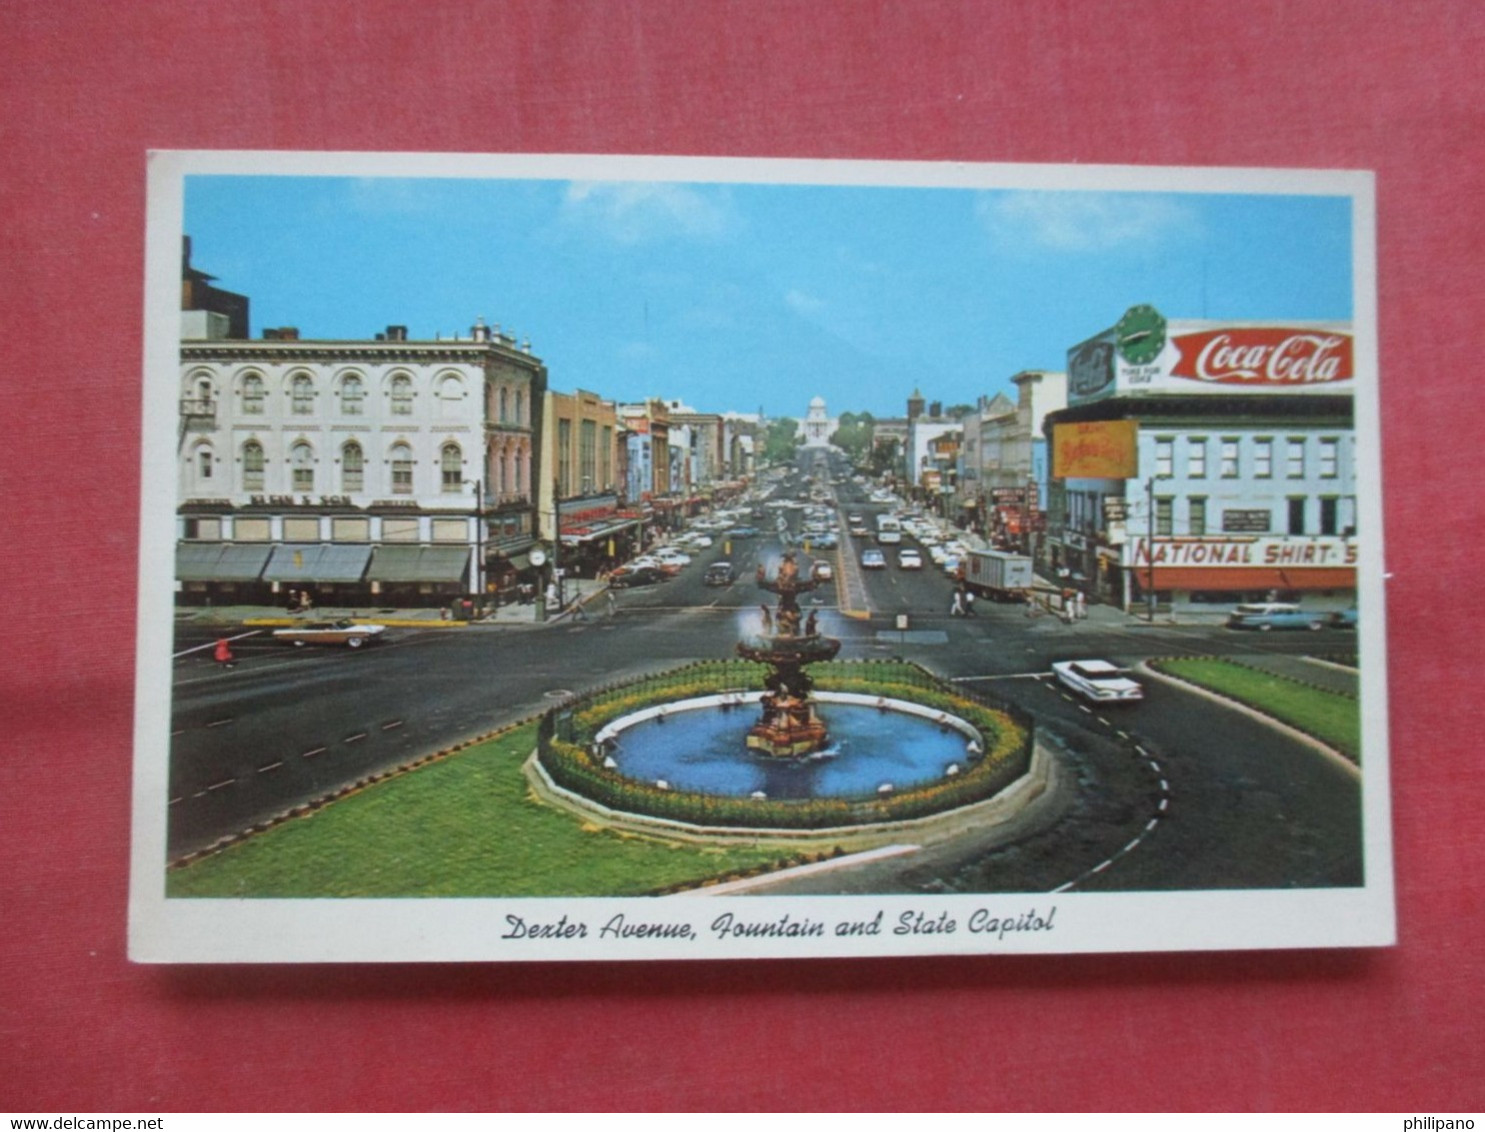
(1249, 578)
(576, 535)
(219, 562)
(291, 563)
(418, 564)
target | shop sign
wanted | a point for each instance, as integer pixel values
(1090, 367)
(1115, 509)
(588, 509)
(1009, 496)
(1276, 551)
(1247, 522)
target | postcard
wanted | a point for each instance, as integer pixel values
(595, 558)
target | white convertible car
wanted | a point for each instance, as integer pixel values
(1098, 680)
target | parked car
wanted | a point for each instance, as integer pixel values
(342, 632)
(742, 532)
(873, 559)
(1098, 680)
(909, 560)
(719, 574)
(1343, 618)
(626, 576)
(1274, 615)
(822, 571)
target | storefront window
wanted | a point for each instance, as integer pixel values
(301, 530)
(450, 530)
(399, 530)
(350, 530)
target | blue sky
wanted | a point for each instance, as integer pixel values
(740, 296)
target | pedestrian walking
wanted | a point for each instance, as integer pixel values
(1080, 605)
(613, 606)
(223, 653)
(956, 607)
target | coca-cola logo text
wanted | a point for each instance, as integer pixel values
(1264, 356)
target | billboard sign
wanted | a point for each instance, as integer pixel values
(1097, 450)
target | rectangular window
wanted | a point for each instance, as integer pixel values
(1329, 515)
(1165, 460)
(402, 477)
(1229, 457)
(1297, 515)
(350, 530)
(208, 529)
(1164, 509)
(1294, 458)
(564, 458)
(303, 478)
(301, 530)
(250, 530)
(1330, 463)
(1196, 457)
(1263, 458)
(1197, 515)
(399, 530)
(450, 530)
(588, 455)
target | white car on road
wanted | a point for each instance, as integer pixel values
(1099, 681)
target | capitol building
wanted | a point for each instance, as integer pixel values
(818, 426)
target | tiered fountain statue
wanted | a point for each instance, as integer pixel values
(789, 726)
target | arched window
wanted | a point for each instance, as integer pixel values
(302, 467)
(252, 466)
(352, 395)
(352, 468)
(520, 407)
(450, 397)
(451, 466)
(301, 395)
(402, 470)
(402, 396)
(252, 395)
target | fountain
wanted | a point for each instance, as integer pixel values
(790, 726)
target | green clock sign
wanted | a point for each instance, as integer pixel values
(1140, 335)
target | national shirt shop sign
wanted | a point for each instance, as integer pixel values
(1151, 356)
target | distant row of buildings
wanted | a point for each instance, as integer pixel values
(404, 472)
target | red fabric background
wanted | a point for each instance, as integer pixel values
(87, 87)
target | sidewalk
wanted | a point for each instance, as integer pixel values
(576, 590)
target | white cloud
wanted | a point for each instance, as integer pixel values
(803, 303)
(1079, 221)
(635, 212)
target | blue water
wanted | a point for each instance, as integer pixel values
(705, 751)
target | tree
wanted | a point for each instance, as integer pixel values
(886, 456)
(854, 435)
(781, 440)
(958, 412)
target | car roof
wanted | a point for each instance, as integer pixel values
(1094, 666)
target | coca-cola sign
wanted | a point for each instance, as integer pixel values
(1271, 356)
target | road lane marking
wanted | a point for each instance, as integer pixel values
(270, 766)
(220, 722)
(392, 726)
(1164, 786)
(312, 754)
(356, 738)
(220, 785)
(1132, 844)
(1152, 823)
(212, 644)
(1164, 802)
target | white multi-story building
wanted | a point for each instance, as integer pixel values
(388, 471)
(1200, 464)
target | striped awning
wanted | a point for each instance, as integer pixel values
(299, 563)
(418, 564)
(219, 562)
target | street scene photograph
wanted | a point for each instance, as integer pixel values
(969, 543)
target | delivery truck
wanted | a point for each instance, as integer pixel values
(998, 574)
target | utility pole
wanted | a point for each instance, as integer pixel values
(1150, 546)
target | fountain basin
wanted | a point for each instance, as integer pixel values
(699, 745)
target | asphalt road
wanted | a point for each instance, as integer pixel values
(1159, 796)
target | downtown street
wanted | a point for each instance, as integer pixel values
(1176, 792)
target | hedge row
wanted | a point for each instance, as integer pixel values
(569, 760)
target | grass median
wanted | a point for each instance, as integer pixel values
(1332, 718)
(464, 826)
